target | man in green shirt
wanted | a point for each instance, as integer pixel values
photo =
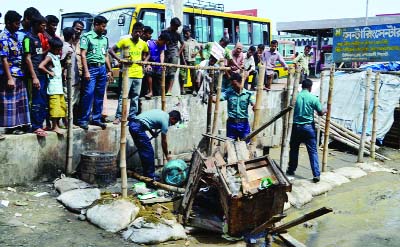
(96, 71)
(151, 120)
(239, 99)
(303, 130)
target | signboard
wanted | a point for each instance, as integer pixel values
(376, 43)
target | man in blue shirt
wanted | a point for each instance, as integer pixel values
(155, 119)
(303, 130)
(239, 99)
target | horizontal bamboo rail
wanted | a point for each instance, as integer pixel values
(181, 66)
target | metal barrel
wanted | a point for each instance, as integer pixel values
(98, 167)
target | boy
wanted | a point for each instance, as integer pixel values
(37, 81)
(156, 51)
(51, 65)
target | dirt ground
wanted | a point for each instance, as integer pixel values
(365, 213)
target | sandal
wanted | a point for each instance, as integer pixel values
(168, 94)
(117, 121)
(148, 96)
(18, 132)
(40, 132)
(59, 132)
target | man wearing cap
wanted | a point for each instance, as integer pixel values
(155, 119)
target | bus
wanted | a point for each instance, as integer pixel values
(207, 21)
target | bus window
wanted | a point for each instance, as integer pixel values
(153, 20)
(115, 31)
(266, 34)
(257, 34)
(217, 29)
(229, 25)
(201, 28)
(244, 33)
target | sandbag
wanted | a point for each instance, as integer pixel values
(76, 200)
(143, 232)
(374, 167)
(314, 188)
(334, 179)
(299, 196)
(66, 184)
(351, 172)
(113, 217)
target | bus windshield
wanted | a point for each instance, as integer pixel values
(119, 22)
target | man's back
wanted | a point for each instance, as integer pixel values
(306, 104)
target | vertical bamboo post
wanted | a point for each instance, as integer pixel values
(124, 118)
(375, 113)
(257, 108)
(163, 99)
(217, 101)
(285, 119)
(70, 136)
(365, 117)
(321, 100)
(209, 111)
(285, 156)
(328, 118)
(209, 106)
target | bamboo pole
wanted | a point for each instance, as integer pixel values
(155, 183)
(375, 114)
(285, 119)
(321, 100)
(209, 106)
(258, 105)
(124, 118)
(365, 117)
(328, 118)
(217, 101)
(181, 66)
(163, 98)
(285, 156)
(70, 135)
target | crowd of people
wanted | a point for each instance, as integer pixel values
(33, 76)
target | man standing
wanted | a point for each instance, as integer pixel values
(188, 58)
(250, 68)
(269, 58)
(155, 119)
(14, 108)
(137, 48)
(237, 125)
(303, 130)
(302, 60)
(173, 51)
(96, 69)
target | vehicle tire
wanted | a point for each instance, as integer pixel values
(276, 77)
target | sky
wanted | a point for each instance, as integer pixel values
(276, 10)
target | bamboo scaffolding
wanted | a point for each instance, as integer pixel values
(285, 119)
(285, 156)
(181, 66)
(365, 116)
(374, 114)
(70, 135)
(163, 98)
(124, 119)
(321, 100)
(328, 118)
(217, 101)
(258, 105)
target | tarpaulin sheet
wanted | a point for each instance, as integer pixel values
(348, 101)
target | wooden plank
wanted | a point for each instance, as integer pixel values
(231, 151)
(244, 177)
(192, 185)
(242, 151)
(268, 223)
(290, 241)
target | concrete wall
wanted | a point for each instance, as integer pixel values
(27, 157)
